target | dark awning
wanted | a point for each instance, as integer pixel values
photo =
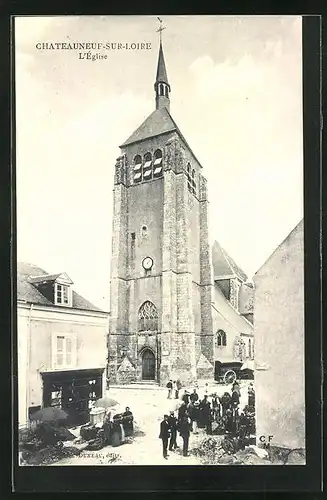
(72, 374)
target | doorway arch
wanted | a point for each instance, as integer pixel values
(148, 365)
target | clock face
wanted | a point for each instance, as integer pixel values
(147, 263)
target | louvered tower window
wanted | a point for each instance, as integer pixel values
(137, 171)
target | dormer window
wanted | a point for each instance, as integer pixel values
(62, 295)
(56, 288)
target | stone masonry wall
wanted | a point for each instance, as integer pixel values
(206, 272)
(118, 286)
(169, 313)
(183, 354)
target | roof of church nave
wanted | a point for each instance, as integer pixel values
(227, 311)
(223, 264)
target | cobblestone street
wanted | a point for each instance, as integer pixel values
(148, 406)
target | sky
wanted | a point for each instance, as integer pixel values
(236, 95)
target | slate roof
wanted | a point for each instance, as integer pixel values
(159, 122)
(28, 293)
(224, 265)
(226, 310)
(161, 68)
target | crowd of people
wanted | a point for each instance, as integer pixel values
(195, 413)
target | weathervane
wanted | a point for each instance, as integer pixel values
(161, 28)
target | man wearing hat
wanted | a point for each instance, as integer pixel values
(194, 396)
(164, 435)
(172, 420)
(186, 397)
(182, 411)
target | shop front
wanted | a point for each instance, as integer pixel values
(73, 391)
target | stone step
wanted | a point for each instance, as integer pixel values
(137, 385)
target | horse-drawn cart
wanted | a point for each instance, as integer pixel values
(228, 372)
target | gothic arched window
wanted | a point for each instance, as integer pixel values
(221, 338)
(157, 164)
(147, 317)
(166, 91)
(147, 167)
(137, 170)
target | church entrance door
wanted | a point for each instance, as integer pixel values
(148, 365)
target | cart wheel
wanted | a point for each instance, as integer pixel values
(229, 377)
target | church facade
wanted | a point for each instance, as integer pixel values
(162, 286)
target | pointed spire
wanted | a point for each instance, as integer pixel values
(161, 69)
(161, 86)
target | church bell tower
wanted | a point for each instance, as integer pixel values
(161, 278)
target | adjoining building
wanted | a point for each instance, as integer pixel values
(279, 344)
(61, 345)
(232, 313)
(170, 316)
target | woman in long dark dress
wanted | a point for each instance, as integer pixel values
(107, 429)
(128, 422)
(251, 396)
(235, 399)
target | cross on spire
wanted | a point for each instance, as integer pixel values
(160, 29)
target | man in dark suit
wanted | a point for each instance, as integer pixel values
(194, 396)
(186, 397)
(164, 435)
(182, 411)
(172, 420)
